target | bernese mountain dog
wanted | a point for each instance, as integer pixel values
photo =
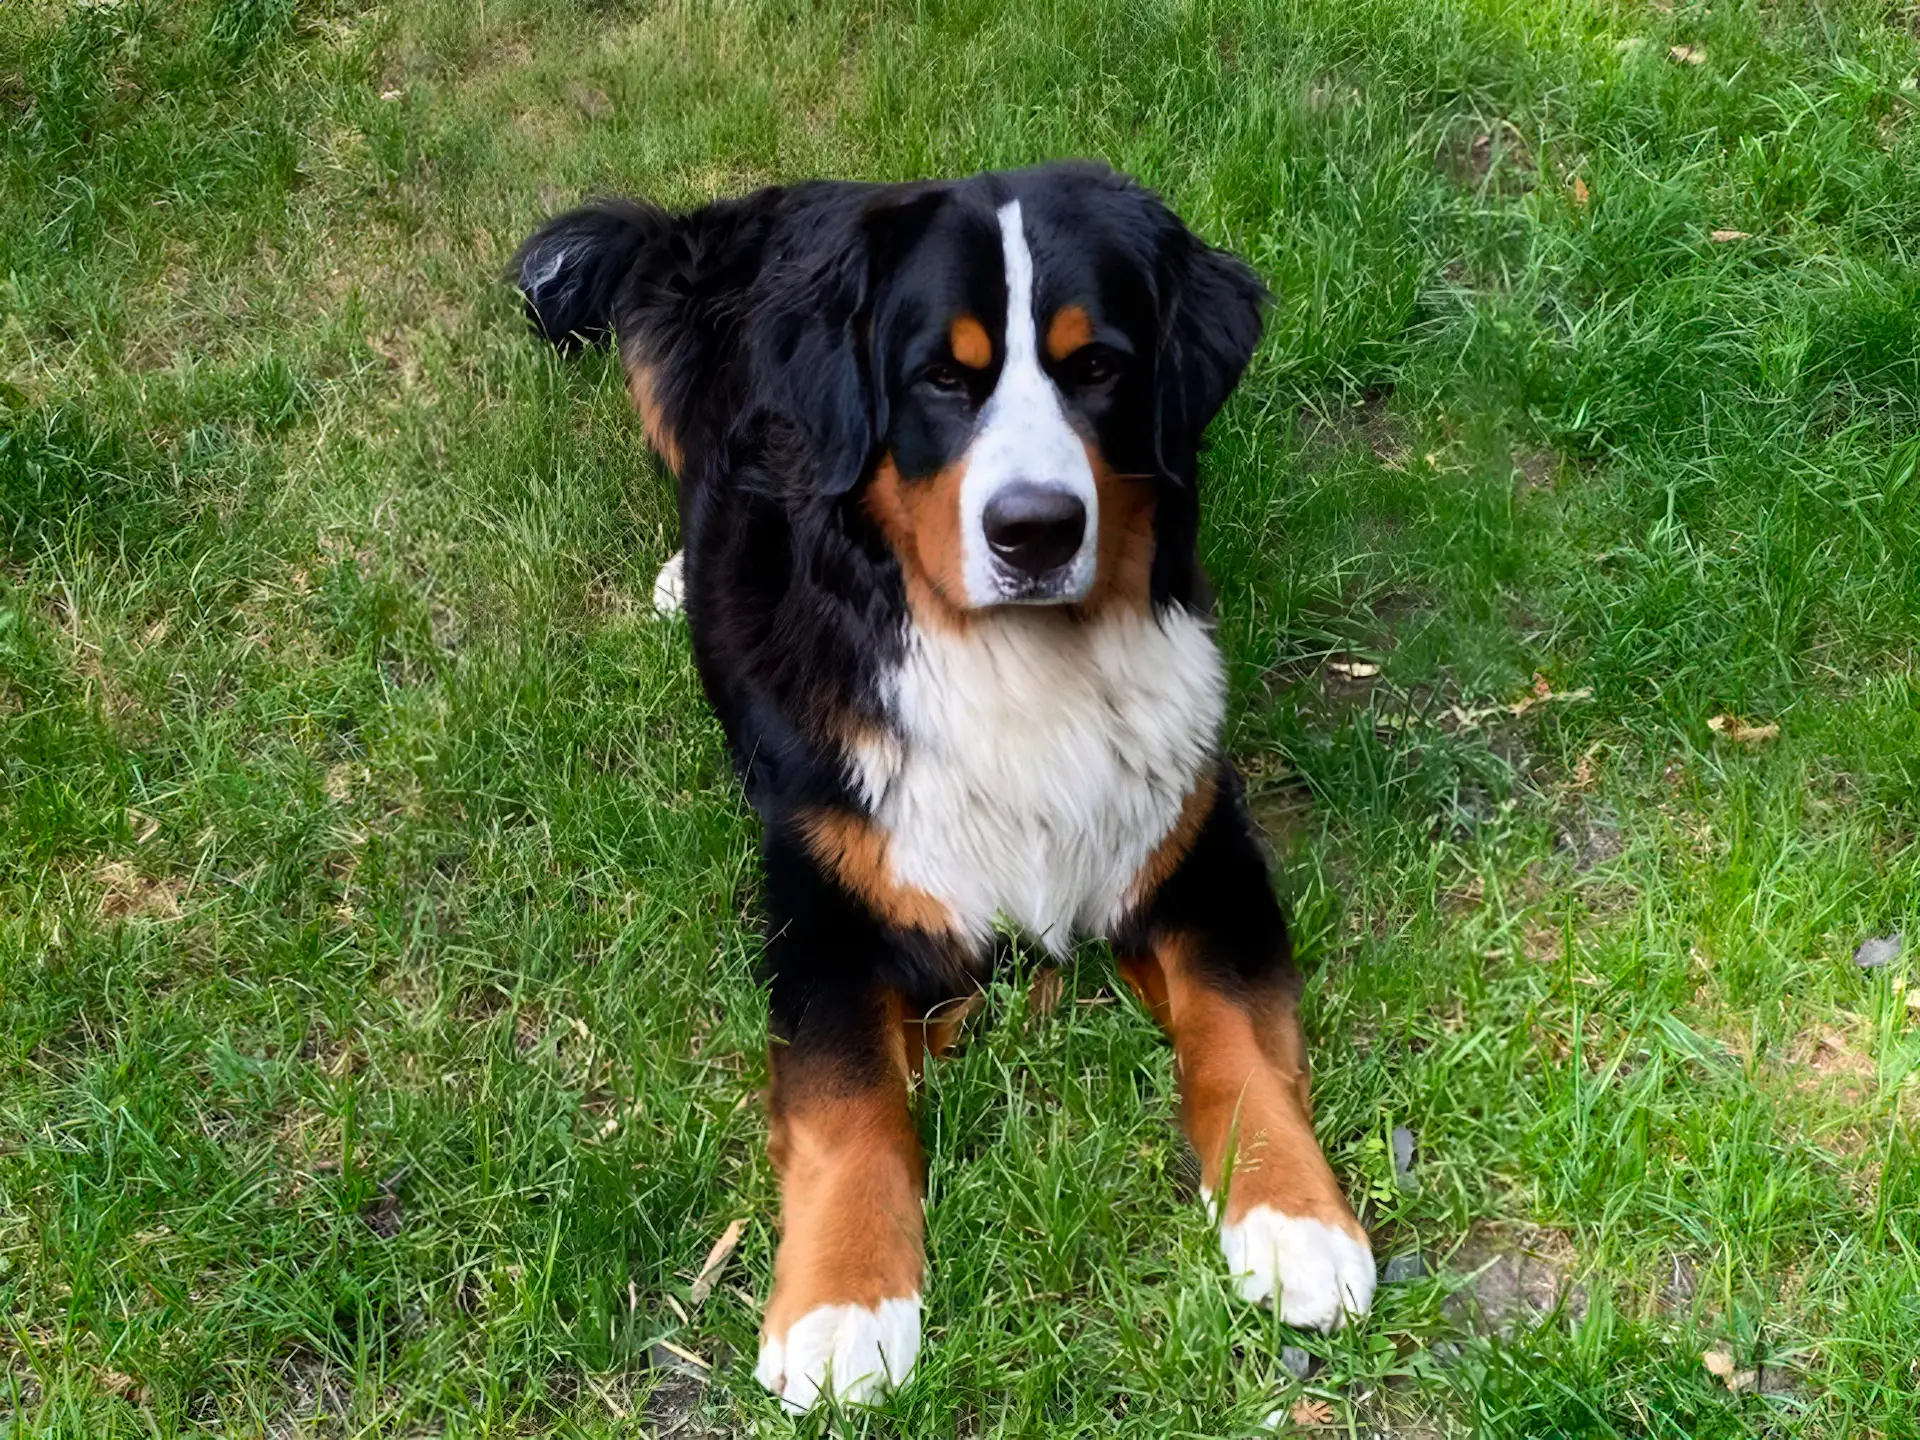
(936, 446)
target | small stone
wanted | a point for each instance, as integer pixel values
(1402, 1152)
(1402, 1268)
(1297, 1362)
(1880, 951)
(665, 1355)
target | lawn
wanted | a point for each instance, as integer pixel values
(379, 1042)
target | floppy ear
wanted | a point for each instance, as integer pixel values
(1210, 305)
(814, 343)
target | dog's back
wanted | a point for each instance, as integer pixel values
(675, 290)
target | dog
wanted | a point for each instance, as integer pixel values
(936, 449)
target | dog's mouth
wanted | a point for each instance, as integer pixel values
(1062, 586)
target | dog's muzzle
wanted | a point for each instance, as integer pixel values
(1036, 533)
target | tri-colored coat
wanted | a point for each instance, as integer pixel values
(936, 446)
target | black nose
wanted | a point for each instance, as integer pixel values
(1034, 528)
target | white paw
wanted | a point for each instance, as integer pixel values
(1320, 1272)
(848, 1350)
(669, 586)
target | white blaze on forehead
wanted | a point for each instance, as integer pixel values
(1023, 435)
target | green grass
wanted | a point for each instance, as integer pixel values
(378, 1038)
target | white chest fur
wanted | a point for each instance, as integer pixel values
(1037, 762)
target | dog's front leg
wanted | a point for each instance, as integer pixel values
(1209, 957)
(844, 1314)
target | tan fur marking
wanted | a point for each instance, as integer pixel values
(1123, 576)
(1149, 984)
(1068, 330)
(921, 521)
(935, 1032)
(850, 1187)
(1243, 1089)
(971, 346)
(653, 421)
(1176, 844)
(854, 849)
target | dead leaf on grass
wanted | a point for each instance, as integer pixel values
(1580, 193)
(1720, 1365)
(1353, 669)
(116, 1382)
(1310, 1413)
(1584, 770)
(1732, 727)
(1540, 693)
(1721, 237)
(1687, 54)
(1909, 998)
(716, 1261)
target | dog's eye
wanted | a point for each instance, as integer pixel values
(1092, 365)
(946, 377)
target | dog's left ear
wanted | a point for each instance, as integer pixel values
(814, 341)
(1210, 308)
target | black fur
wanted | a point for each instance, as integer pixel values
(810, 361)
(786, 336)
(571, 270)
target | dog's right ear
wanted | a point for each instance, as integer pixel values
(813, 340)
(570, 270)
(1211, 304)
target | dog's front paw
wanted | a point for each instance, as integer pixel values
(852, 1352)
(1318, 1273)
(670, 586)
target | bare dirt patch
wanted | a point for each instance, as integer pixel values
(1588, 836)
(673, 1406)
(1475, 156)
(1836, 1059)
(1515, 1280)
(1281, 815)
(1327, 427)
(1535, 471)
(126, 894)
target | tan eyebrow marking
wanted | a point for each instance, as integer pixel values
(1069, 329)
(971, 347)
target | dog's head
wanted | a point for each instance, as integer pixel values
(1016, 371)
